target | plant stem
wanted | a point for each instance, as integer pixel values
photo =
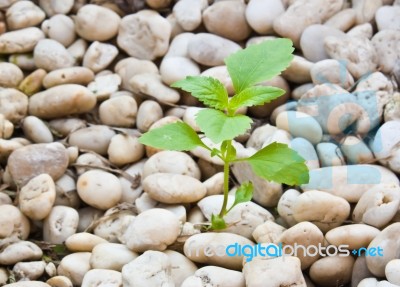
(226, 182)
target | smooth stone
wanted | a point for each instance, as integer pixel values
(387, 17)
(78, 49)
(215, 184)
(331, 72)
(95, 138)
(112, 228)
(32, 83)
(148, 113)
(392, 271)
(51, 8)
(329, 154)
(268, 232)
(306, 150)
(10, 75)
(378, 205)
(234, 27)
(241, 220)
(173, 188)
(105, 85)
(343, 20)
(325, 210)
(286, 204)
(152, 268)
(355, 236)
(23, 61)
(152, 85)
(71, 99)
(349, 181)
(20, 251)
(61, 223)
(66, 192)
(173, 69)
(111, 256)
(147, 46)
(37, 197)
(179, 44)
(301, 14)
(75, 266)
(131, 191)
(209, 248)
(181, 267)
(210, 50)
(72, 75)
(99, 56)
(361, 31)
(360, 54)
(99, 189)
(365, 10)
(20, 41)
(174, 162)
(388, 241)
(23, 163)
(13, 223)
(262, 22)
(13, 105)
(356, 151)
(216, 276)
(153, 229)
(312, 41)
(188, 13)
(36, 130)
(83, 242)
(299, 70)
(333, 107)
(302, 234)
(120, 111)
(29, 270)
(59, 281)
(332, 270)
(124, 149)
(101, 277)
(266, 193)
(129, 67)
(387, 46)
(87, 23)
(261, 270)
(50, 55)
(24, 14)
(385, 145)
(60, 28)
(299, 124)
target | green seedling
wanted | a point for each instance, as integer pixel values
(221, 123)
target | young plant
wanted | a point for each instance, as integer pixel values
(221, 123)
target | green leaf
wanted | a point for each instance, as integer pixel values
(214, 152)
(244, 193)
(176, 136)
(254, 96)
(259, 62)
(277, 162)
(217, 222)
(228, 150)
(218, 127)
(208, 90)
